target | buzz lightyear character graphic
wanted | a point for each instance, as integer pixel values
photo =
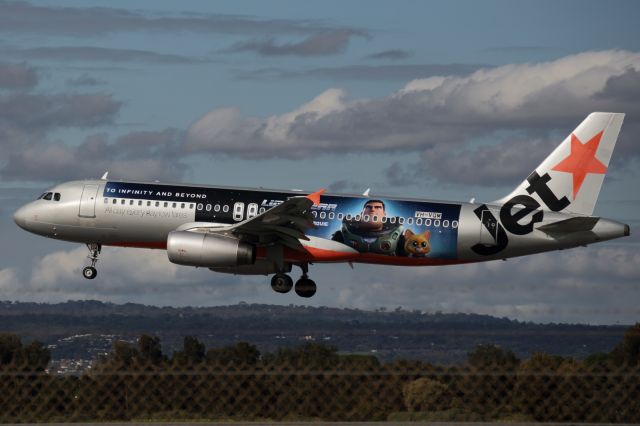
(372, 232)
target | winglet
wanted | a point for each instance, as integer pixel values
(104, 176)
(315, 197)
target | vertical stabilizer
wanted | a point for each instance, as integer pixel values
(570, 179)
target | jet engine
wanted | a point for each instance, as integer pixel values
(208, 250)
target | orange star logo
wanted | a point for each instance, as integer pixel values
(581, 161)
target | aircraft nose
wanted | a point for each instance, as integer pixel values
(19, 217)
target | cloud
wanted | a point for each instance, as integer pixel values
(41, 112)
(26, 119)
(519, 49)
(567, 286)
(138, 155)
(94, 53)
(320, 44)
(124, 275)
(496, 164)
(84, 80)
(438, 115)
(363, 72)
(17, 76)
(23, 17)
(28, 154)
(391, 55)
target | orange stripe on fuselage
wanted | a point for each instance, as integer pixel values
(313, 254)
(162, 245)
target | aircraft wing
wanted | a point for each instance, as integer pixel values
(285, 223)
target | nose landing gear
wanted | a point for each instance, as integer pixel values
(90, 272)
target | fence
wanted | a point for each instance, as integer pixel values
(542, 388)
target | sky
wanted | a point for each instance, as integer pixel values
(440, 100)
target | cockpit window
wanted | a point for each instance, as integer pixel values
(42, 195)
(48, 196)
(56, 196)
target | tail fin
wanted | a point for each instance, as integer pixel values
(570, 178)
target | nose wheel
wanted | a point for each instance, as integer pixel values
(90, 272)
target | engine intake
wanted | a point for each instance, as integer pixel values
(208, 250)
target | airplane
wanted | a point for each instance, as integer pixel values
(267, 232)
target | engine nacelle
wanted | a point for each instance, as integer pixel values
(208, 250)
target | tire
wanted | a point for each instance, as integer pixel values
(306, 287)
(281, 283)
(89, 272)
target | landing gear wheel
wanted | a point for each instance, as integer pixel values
(89, 272)
(281, 283)
(305, 287)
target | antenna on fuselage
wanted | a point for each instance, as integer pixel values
(366, 193)
(104, 176)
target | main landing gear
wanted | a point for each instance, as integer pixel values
(305, 286)
(90, 272)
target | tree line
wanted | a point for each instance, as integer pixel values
(138, 381)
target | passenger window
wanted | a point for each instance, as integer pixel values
(191, 206)
(357, 218)
(199, 207)
(225, 209)
(252, 210)
(436, 223)
(454, 224)
(401, 220)
(166, 204)
(48, 196)
(157, 203)
(445, 223)
(174, 205)
(262, 210)
(208, 207)
(366, 218)
(123, 201)
(410, 221)
(106, 201)
(216, 208)
(323, 215)
(384, 219)
(115, 201)
(392, 219)
(139, 202)
(238, 211)
(182, 206)
(419, 221)
(340, 216)
(130, 202)
(148, 203)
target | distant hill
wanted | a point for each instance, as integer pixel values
(84, 329)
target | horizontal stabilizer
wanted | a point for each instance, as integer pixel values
(569, 226)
